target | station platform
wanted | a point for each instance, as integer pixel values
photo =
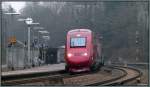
(40, 69)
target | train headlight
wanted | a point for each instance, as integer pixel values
(69, 54)
(85, 54)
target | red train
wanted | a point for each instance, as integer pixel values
(82, 51)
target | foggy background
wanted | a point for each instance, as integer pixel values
(123, 26)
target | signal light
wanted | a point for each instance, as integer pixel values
(69, 54)
(85, 54)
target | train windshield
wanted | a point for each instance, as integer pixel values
(78, 42)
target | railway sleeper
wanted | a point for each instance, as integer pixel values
(116, 84)
(108, 70)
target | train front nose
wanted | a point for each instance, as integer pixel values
(78, 59)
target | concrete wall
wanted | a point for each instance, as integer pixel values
(61, 55)
(17, 57)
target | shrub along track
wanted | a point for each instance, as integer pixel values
(106, 76)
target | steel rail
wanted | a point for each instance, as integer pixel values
(97, 81)
(139, 73)
(110, 80)
(121, 82)
(56, 78)
(40, 77)
(113, 80)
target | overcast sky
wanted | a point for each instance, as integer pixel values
(16, 5)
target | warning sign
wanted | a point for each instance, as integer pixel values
(12, 39)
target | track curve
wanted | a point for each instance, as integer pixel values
(109, 75)
(132, 74)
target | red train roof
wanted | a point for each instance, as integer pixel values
(80, 30)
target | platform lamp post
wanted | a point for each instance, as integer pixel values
(38, 28)
(43, 32)
(137, 45)
(102, 50)
(46, 38)
(29, 22)
(11, 14)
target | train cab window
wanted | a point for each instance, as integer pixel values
(78, 42)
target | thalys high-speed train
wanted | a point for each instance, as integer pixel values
(82, 51)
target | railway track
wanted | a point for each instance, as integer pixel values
(115, 75)
(132, 74)
(52, 78)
